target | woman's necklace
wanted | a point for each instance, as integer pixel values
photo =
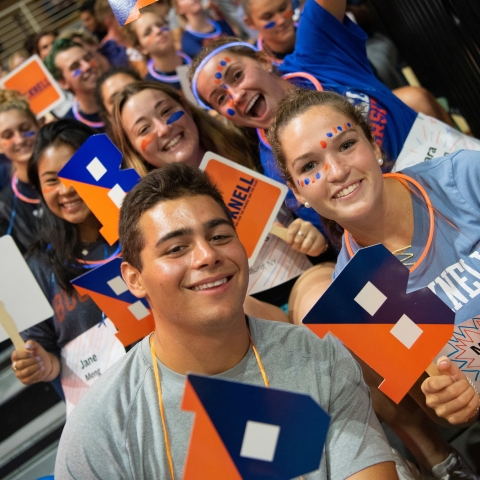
(80, 118)
(160, 399)
(405, 180)
(167, 78)
(20, 196)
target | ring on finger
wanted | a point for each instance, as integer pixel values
(300, 233)
(14, 366)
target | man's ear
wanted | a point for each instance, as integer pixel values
(298, 196)
(133, 279)
(63, 83)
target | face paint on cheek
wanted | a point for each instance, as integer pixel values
(29, 134)
(325, 167)
(269, 25)
(93, 62)
(175, 116)
(164, 29)
(46, 190)
(147, 141)
(7, 142)
(77, 72)
(288, 14)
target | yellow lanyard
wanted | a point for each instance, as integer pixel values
(160, 400)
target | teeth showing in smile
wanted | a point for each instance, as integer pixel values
(210, 285)
(173, 142)
(252, 103)
(346, 191)
(71, 204)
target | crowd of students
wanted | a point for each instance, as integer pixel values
(300, 101)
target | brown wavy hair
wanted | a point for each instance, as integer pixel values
(214, 135)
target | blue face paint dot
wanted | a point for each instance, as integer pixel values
(349, 125)
(339, 129)
(28, 134)
(218, 75)
(175, 116)
(318, 176)
(223, 63)
(298, 182)
(329, 134)
(76, 73)
(224, 86)
(231, 112)
(307, 181)
(269, 25)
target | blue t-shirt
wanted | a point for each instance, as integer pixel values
(451, 268)
(193, 42)
(334, 52)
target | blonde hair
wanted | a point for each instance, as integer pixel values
(13, 100)
(213, 135)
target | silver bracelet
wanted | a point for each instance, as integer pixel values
(477, 394)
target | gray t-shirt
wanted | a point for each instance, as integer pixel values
(116, 430)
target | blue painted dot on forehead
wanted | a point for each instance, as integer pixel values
(349, 125)
(339, 129)
(223, 63)
(218, 75)
(329, 134)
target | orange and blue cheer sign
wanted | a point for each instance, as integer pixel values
(105, 286)
(397, 333)
(251, 432)
(127, 11)
(94, 172)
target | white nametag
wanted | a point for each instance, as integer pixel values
(430, 138)
(86, 358)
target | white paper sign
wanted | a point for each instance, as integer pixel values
(464, 349)
(276, 263)
(19, 291)
(430, 138)
(86, 358)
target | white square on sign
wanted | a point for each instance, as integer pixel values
(138, 310)
(260, 441)
(117, 194)
(406, 331)
(117, 285)
(370, 298)
(96, 169)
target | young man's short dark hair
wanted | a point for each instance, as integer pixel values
(173, 181)
(58, 46)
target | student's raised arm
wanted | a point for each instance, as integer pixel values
(335, 7)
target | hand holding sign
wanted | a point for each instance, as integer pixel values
(94, 172)
(17, 284)
(450, 394)
(395, 333)
(253, 200)
(245, 431)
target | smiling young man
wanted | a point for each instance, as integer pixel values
(77, 70)
(182, 254)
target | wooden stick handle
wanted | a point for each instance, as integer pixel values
(280, 232)
(9, 326)
(433, 370)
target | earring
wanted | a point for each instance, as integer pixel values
(306, 205)
(380, 161)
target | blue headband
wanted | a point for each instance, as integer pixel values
(207, 59)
